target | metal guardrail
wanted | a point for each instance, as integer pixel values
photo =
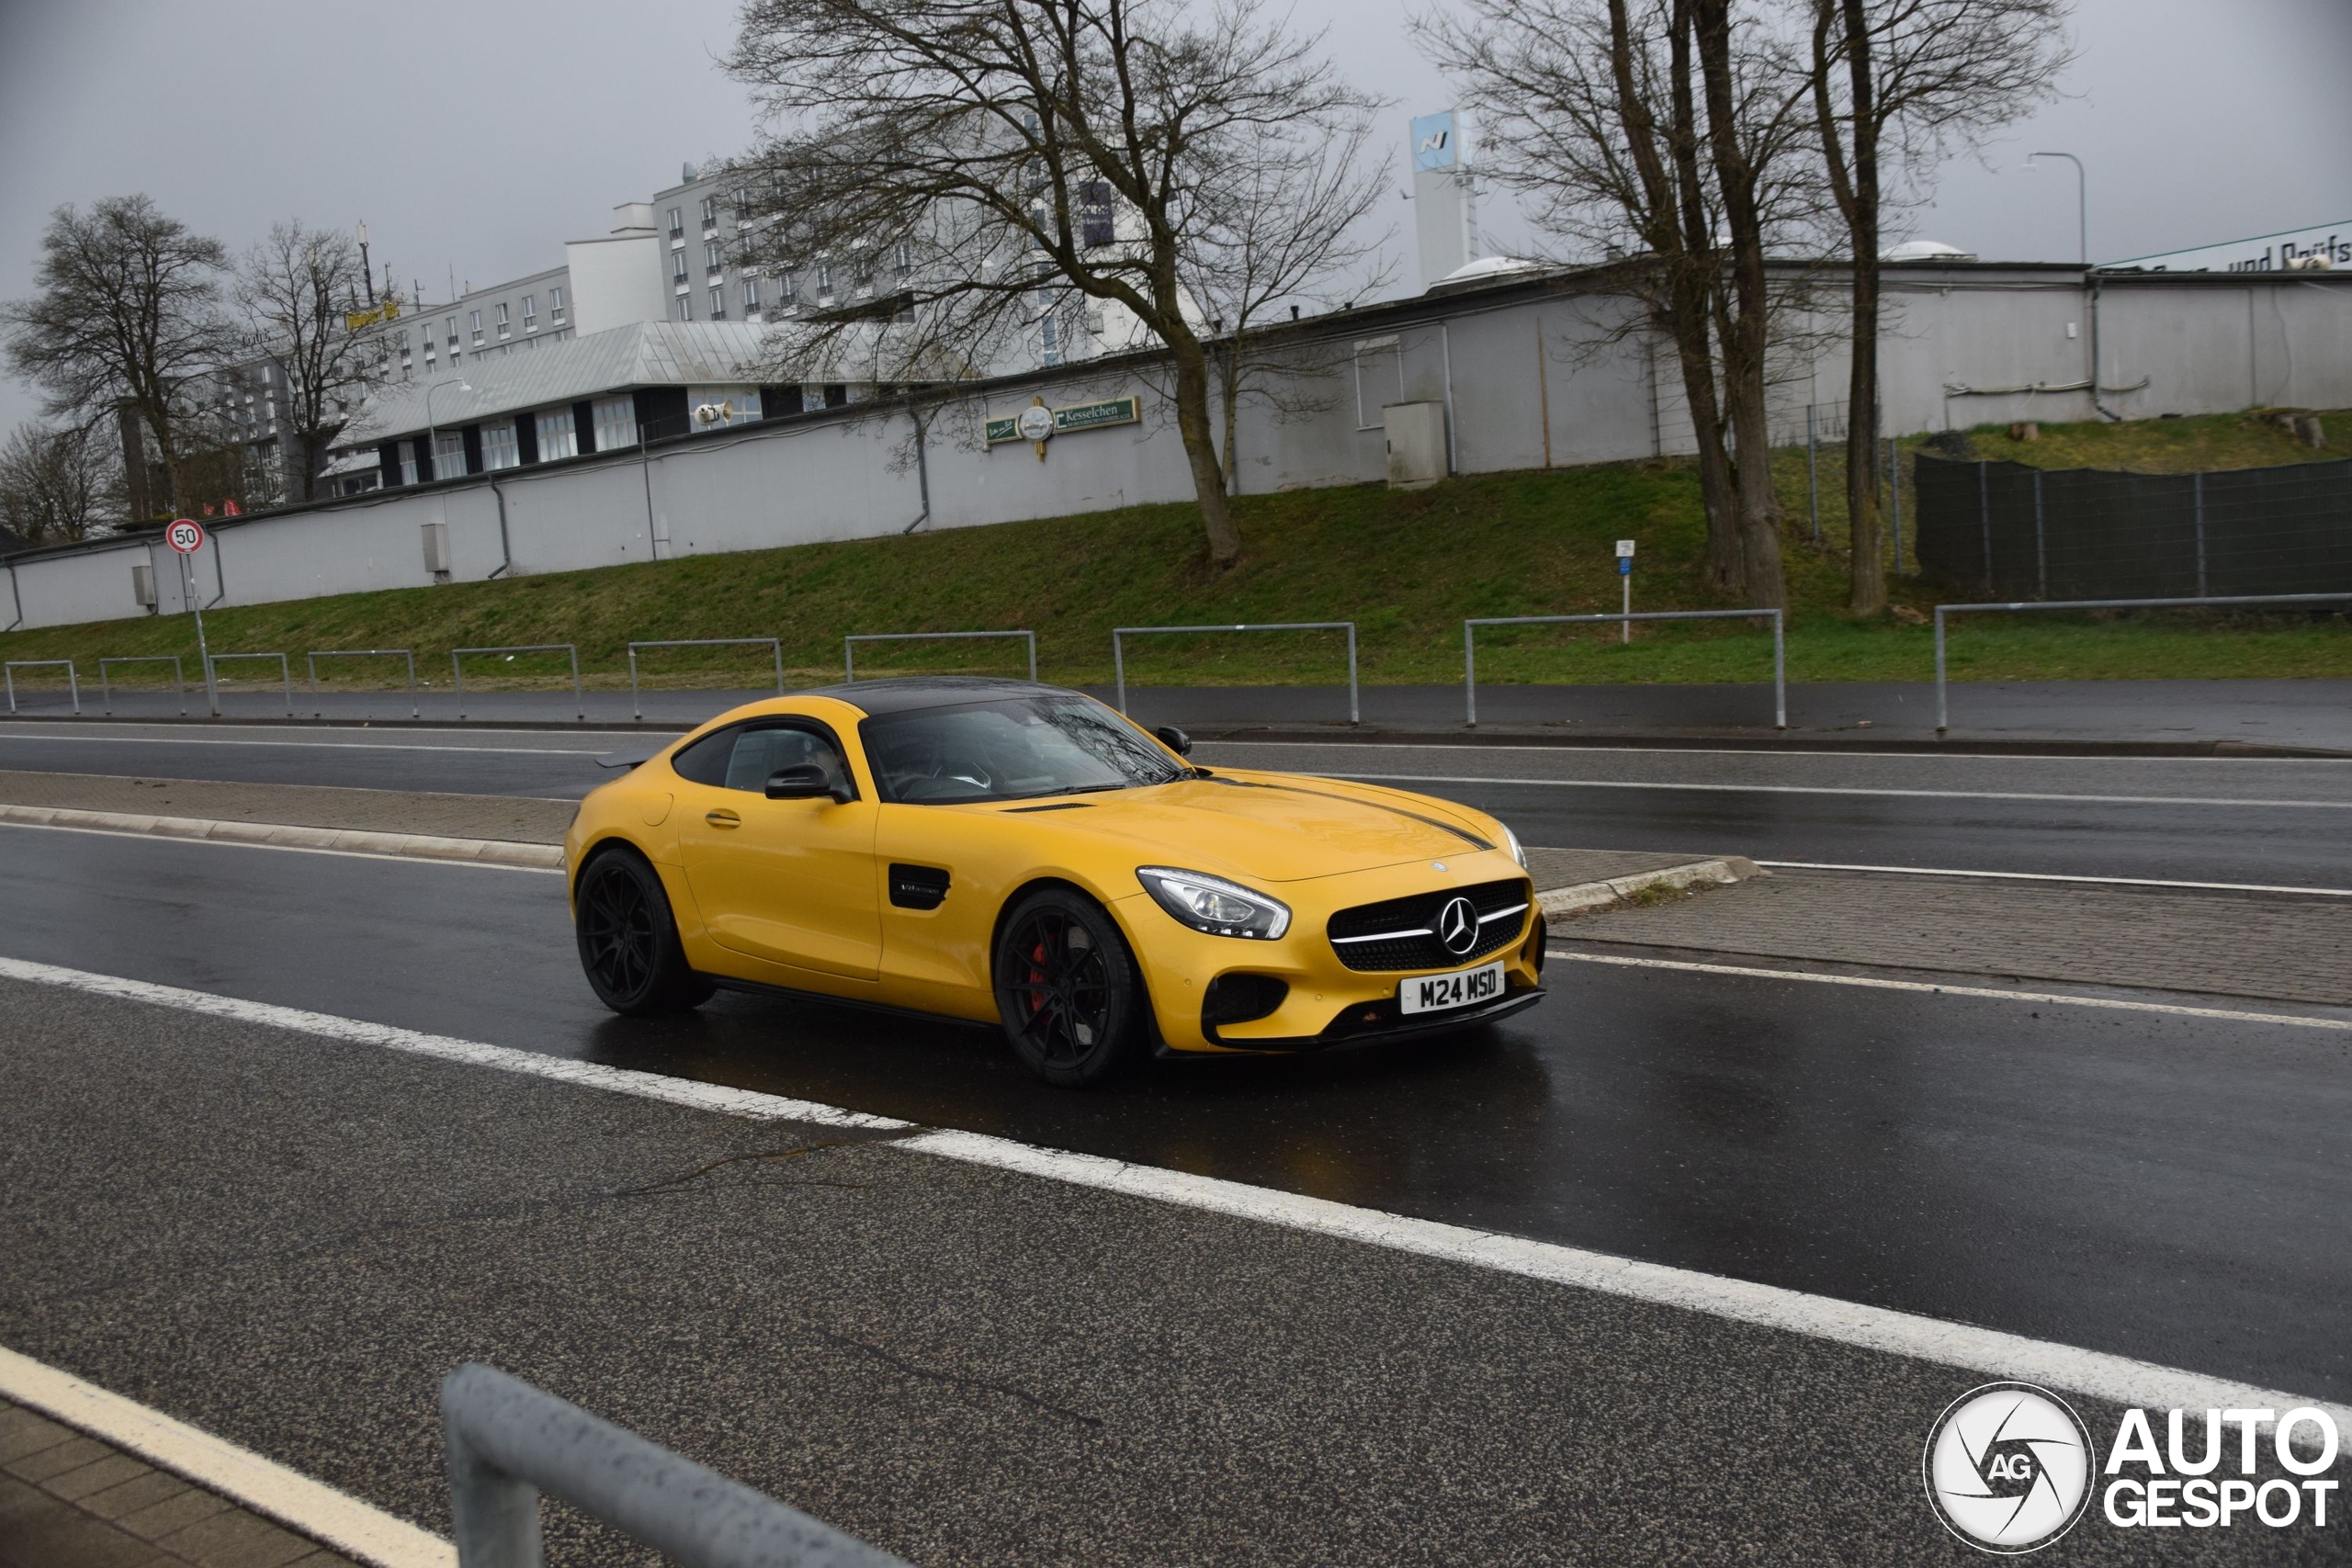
(212, 662)
(179, 677)
(508, 1442)
(772, 645)
(849, 645)
(73, 681)
(311, 662)
(1941, 610)
(457, 670)
(1780, 647)
(1119, 661)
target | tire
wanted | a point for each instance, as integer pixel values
(1067, 990)
(628, 940)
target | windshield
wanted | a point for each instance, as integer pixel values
(1011, 749)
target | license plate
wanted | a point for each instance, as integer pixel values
(1464, 988)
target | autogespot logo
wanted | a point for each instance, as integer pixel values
(2009, 1468)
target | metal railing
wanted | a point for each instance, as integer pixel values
(212, 662)
(1942, 715)
(73, 681)
(1119, 661)
(508, 1442)
(179, 677)
(849, 645)
(1780, 647)
(772, 645)
(458, 670)
(311, 662)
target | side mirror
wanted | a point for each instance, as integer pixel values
(806, 781)
(1175, 739)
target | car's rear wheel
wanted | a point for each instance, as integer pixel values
(628, 940)
(1067, 988)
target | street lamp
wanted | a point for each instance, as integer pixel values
(2082, 199)
(432, 433)
(367, 268)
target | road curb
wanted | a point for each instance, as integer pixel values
(1581, 897)
(351, 840)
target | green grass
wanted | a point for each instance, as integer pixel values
(2162, 446)
(1408, 565)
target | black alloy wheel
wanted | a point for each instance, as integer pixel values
(628, 942)
(1067, 988)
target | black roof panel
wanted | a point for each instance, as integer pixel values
(907, 693)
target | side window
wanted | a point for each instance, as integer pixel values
(745, 756)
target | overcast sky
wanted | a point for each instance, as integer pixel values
(475, 139)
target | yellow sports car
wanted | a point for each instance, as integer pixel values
(1006, 852)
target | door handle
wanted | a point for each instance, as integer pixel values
(722, 818)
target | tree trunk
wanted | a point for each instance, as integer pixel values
(1194, 424)
(1866, 584)
(1686, 322)
(1229, 394)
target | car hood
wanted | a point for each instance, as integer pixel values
(1277, 827)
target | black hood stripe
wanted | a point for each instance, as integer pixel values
(1465, 834)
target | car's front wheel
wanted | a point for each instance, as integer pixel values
(1068, 989)
(628, 940)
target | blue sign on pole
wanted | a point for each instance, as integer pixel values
(1433, 141)
(1625, 566)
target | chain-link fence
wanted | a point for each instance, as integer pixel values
(2024, 533)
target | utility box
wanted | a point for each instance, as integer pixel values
(1415, 443)
(436, 550)
(143, 585)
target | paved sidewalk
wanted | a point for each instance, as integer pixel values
(70, 1501)
(514, 818)
(2284, 947)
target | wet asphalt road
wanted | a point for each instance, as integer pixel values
(2153, 1185)
(2269, 821)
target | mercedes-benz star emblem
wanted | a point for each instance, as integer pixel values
(1457, 927)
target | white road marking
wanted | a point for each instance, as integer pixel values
(2119, 1379)
(1843, 789)
(1938, 755)
(306, 745)
(356, 1529)
(2060, 877)
(283, 849)
(2053, 998)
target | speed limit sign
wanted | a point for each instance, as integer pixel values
(186, 535)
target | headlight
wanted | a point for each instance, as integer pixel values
(1511, 841)
(1213, 904)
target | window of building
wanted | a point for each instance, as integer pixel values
(902, 259)
(408, 463)
(785, 294)
(1049, 339)
(685, 307)
(711, 258)
(709, 213)
(452, 326)
(530, 312)
(448, 454)
(615, 422)
(559, 437)
(504, 330)
(718, 303)
(429, 361)
(555, 306)
(862, 272)
(824, 279)
(751, 296)
(1094, 225)
(405, 360)
(677, 223)
(498, 446)
(677, 267)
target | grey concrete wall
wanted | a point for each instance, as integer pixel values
(1523, 370)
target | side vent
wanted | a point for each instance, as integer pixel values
(918, 886)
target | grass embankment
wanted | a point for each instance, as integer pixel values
(1407, 567)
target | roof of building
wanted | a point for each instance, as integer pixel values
(642, 354)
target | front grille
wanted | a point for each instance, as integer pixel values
(1403, 929)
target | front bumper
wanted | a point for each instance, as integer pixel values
(1327, 1003)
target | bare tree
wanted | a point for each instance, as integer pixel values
(57, 485)
(128, 316)
(296, 289)
(1904, 82)
(1619, 121)
(1016, 168)
(1289, 222)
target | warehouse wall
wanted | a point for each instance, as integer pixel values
(1532, 376)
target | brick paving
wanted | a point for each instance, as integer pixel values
(70, 1501)
(2283, 947)
(515, 818)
